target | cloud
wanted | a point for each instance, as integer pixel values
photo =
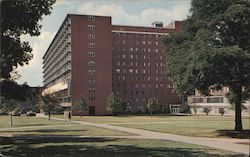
(145, 17)
(32, 73)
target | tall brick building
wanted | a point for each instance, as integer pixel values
(92, 58)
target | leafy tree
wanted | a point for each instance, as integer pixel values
(213, 51)
(114, 104)
(9, 106)
(195, 108)
(207, 110)
(19, 17)
(50, 102)
(81, 105)
(12, 95)
(153, 105)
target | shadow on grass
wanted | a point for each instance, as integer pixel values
(43, 130)
(245, 134)
(93, 147)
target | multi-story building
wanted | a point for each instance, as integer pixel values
(216, 101)
(92, 58)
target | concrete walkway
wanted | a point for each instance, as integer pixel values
(217, 143)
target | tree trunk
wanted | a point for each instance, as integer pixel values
(11, 120)
(49, 115)
(238, 103)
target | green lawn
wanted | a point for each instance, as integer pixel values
(104, 147)
(191, 125)
(27, 126)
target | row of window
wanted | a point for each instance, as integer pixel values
(131, 49)
(137, 64)
(141, 92)
(118, 34)
(91, 63)
(209, 100)
(137, 42)
(136, 71)
(118, 85)
(139, 79)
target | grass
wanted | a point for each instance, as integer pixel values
(27, 126)
(104, 147)
(190, 125)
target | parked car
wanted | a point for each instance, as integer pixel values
(15, 113)
(31, 113)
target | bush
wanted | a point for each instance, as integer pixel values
(207, 110)
(221, 111)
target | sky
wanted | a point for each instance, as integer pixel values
(123, 12)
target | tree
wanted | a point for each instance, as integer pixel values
(12, 95)
(213, 51)
(153, 105)
(50, 101)
(114, 104)
(221, 111)
(207, 110)
(19, 18)
(195, 108)
(9, 106)
(81, 105)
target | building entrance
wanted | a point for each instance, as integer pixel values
(91, 110)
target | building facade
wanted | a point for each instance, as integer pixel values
(216, 102)
(92, 58)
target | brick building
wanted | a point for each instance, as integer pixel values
(92, 58)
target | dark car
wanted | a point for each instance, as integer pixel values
(31, 113)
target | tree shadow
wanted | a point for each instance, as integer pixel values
(91, 147)
(43, 130)
(38, 139)
(245, 134)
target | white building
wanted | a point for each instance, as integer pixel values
(215, 102)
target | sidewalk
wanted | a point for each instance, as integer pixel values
(217, 143)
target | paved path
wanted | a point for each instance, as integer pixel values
(217, 143)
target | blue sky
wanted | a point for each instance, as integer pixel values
(123, 12)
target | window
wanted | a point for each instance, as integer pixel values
(91, 36)
(91, 72)
(91, 27)
(91, 81)
(92, 98)
(131, 56)
(123, 56)
(91, 18)
(156, 50)
(91, 45)
(91, 54)
(143, 42)
(156, 43)
(130, 70)
(149, 50)
(197, 100)
(92, 90)
(91, 63)
(215, 100)
(118, 70)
